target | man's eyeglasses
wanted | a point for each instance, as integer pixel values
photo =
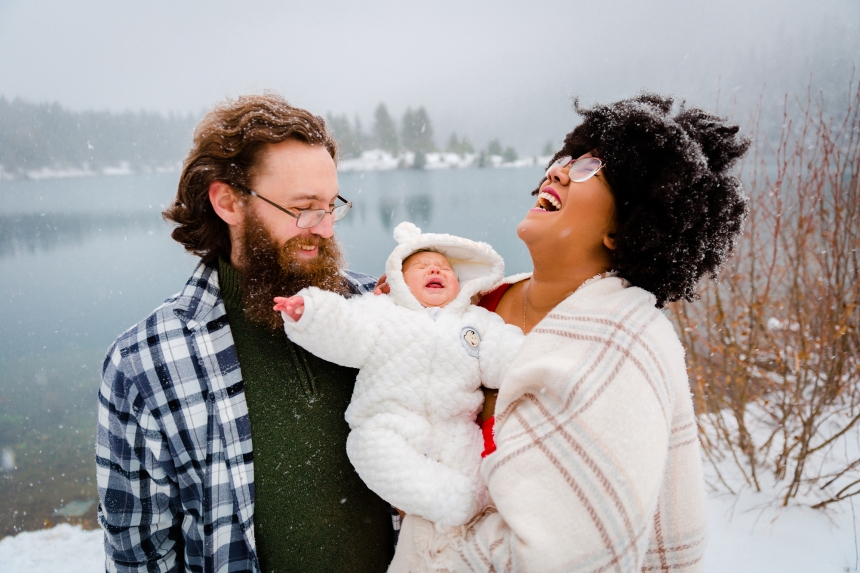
(581, 169)
(306, 218)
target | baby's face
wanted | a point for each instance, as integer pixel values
(430, 278)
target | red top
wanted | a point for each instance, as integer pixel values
(489, 441)
(490, 301)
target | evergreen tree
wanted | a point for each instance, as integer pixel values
(548, 148)
(453, 145)
(420, 160)
(35, 136)
(466, 146)
(409, 130)
(425, 133)
(362, 139)
(509, 154)
(384, 131)
(457, 145)
(416, 132)
(494, 147)
(343, 133)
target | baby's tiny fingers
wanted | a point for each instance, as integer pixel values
(382, 286)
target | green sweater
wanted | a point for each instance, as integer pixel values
(311, 510)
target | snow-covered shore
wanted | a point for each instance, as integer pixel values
(123, 168)
(371, 160)
(746, 534)
(62, 549)
(380, 160)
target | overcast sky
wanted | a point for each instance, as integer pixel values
(483, 68)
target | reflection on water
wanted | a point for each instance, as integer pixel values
(387, 209)
(82, 260)
(47, 428)
(418, 209)
(36, 232)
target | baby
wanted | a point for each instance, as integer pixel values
(424, 352)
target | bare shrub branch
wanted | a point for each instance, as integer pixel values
(774, 346)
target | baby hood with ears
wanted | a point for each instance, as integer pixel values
(478, 267)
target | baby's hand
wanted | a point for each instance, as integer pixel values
(293, 306)
(382, 286)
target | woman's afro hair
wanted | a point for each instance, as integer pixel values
(678, 208)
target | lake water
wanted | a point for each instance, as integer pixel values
(82, 260)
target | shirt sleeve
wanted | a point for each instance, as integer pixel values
(138, 498)
(336, 329)
(359, 283)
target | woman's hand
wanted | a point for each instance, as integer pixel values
(490, 396)
(293, 306)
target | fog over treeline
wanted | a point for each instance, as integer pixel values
(36, 136)
(414, 132)
(42, 135)
(505, 70)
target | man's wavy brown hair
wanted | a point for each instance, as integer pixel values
(227, 146)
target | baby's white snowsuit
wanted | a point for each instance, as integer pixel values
(414, 440)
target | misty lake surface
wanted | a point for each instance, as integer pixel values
(82, 260)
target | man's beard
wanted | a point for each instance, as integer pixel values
(270, 270)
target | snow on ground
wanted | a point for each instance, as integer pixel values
(747, 534)
(62, 549)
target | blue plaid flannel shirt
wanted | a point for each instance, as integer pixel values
(175, 468)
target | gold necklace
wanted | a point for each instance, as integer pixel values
(525, 298)
(526, 301)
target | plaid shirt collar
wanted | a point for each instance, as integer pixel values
(199, 297)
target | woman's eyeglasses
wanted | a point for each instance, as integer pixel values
(306, 218)
(581, 169)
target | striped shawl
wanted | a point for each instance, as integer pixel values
(598, 466)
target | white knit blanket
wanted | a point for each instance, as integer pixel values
(598, 467)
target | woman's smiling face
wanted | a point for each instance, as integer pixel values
(570, 218)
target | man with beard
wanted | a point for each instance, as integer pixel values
(184, 391)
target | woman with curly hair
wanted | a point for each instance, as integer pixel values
(596, 465)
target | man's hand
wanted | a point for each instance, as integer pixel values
(293, 306)
(382, 286)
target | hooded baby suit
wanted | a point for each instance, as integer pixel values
(414, 440)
